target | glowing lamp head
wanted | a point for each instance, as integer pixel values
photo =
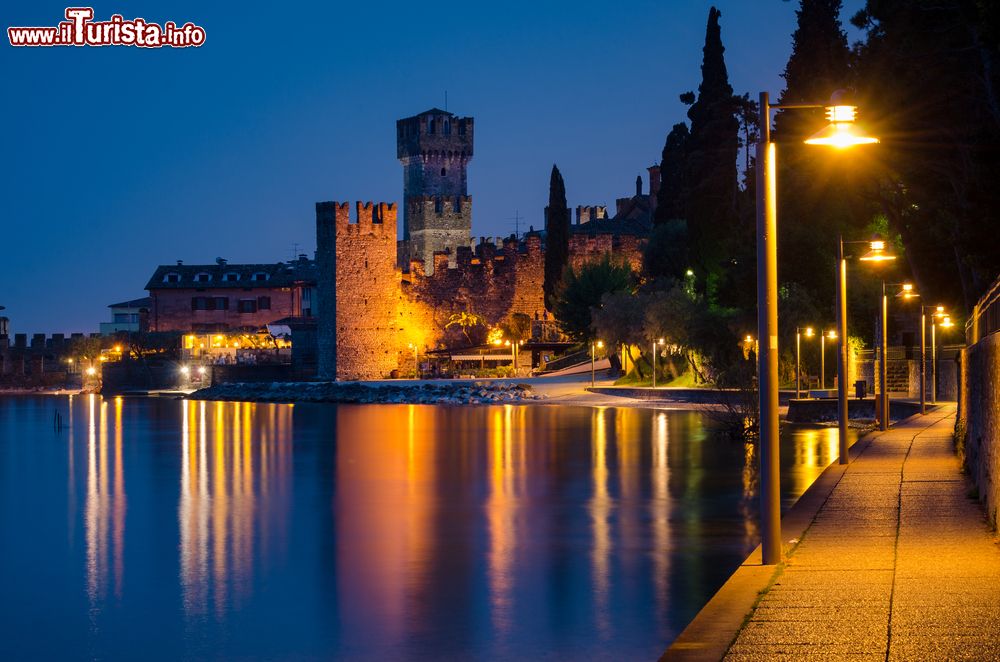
(809, 332)
(91, 371)
(600, 344)
(831, 334)
(185, 370)
(660, 341)
(201, 370)
(688, 273)
(842, 131)
(877, 252)
(748, 339)
(939, 312)
(946, 323)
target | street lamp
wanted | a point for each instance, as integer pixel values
(945, 324)
(876, 254)
(658, 343)
(937, 312)
(799, 332)
(416, 363)
(840, 134)
(832, 335)
(593, 359)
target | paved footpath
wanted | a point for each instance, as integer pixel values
(897, 564)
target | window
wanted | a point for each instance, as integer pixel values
(437, 205)
(443, 172)
(259, 276)
(430, 125)
(202, 277)
(248, 306)
(447, 128)
(461, 127)
(221, 303)
(121, 318)
(231, 277)
(202, 303)
(263, 303)
(172, 278)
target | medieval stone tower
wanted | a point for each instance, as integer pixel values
(435, 148)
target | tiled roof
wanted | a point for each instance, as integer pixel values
(184, 276)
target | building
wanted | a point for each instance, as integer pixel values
(226, 297)
(435, 148)
(127, 317)
(382, 300)
(4, 325)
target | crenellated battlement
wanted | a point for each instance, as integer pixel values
(588, 213)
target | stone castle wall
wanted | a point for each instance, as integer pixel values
(371, 314)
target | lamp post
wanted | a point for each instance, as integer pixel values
(837, 134)
(832, 335)
(658, 343)
(593, 359)
(938, 311)
(416, 363)
(808, 331)
(945, 324)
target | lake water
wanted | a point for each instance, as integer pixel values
(163, 529)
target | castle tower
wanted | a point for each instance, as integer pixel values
(435, 148)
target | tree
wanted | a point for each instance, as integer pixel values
(940, 152)
(556, 235)
(618, 321)
(665, 255)
(820, 189)
(466, 322)
(517, 327)
(672, 184)
(582, 290)
(709, 205)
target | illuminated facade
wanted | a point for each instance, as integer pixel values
(224, 297)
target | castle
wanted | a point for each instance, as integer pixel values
(379, 297)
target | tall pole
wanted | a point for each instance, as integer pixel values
(923, 361)
(934, 362)
(767, 334)
(798, 371)
(592, 365)
(654, 364)
(884, 366)
(842, 353)
(822, 360)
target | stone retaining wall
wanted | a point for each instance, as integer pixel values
(977, 427)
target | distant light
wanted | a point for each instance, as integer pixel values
(201, 370)
(831, 334)
(91, 371)
(809, 332)
(660, 341)
(689, 273)
(185, 370)
(600, 343)
(748, 339)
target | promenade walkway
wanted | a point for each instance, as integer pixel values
(894, 561)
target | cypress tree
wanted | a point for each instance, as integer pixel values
(668, 198)
(710, 200)
(817, 199)
(556, 236)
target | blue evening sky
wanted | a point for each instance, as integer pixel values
(118, 159)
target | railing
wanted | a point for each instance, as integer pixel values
(567, 361)
(985, 317)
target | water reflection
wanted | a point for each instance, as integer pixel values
(370, 532)
(104, 508)
(235, 464)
